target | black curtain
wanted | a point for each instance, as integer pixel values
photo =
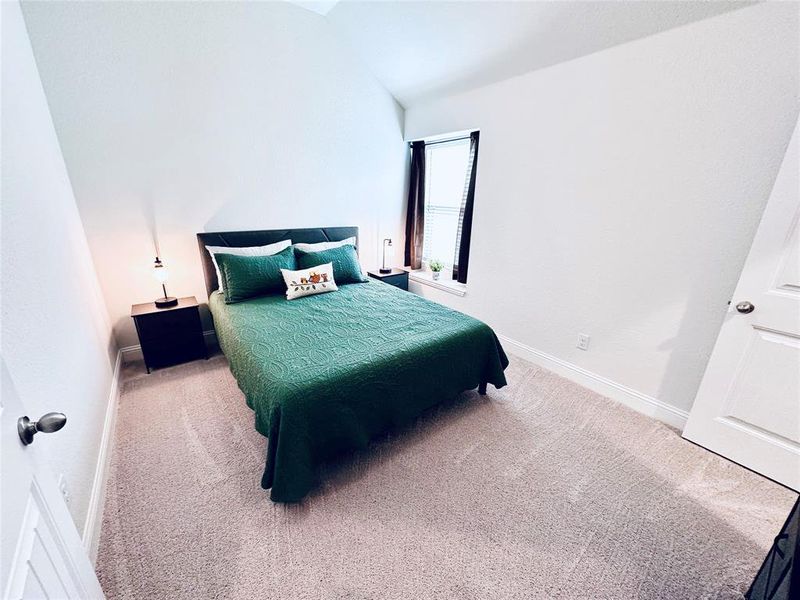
(415, 215)
(464, 234)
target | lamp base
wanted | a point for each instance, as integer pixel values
(384, 271)
(166, 302)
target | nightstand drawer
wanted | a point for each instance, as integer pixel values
(400, 281)
(173, 352)
(172, 324)
(398, 278)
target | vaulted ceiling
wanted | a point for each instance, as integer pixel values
(424, 49)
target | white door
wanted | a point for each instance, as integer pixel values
(41, 554)
(748, 405)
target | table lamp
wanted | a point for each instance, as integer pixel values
(387, 243)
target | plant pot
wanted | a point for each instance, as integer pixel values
(435, 275)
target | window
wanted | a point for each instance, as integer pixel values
(441, 199)
(446, 166)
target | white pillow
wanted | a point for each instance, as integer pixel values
(320, 246)
(307, 282)
(267, 250)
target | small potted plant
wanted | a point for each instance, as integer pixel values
(436, 267)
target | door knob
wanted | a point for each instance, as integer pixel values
(745, 307)
(49, 423)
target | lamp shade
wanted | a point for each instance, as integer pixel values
(160, 272)
(387, 253)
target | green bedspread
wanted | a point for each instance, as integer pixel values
(328, 373)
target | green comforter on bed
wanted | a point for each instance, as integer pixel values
(328, 373)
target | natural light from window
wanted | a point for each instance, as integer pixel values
(445, 176)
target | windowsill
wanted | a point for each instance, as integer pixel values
(446, 285)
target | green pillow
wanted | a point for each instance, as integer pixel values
(346, 268)
(246, 276)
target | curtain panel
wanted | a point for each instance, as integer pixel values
(464, 233)
(415, 215)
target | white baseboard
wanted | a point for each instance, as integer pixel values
(94, 516)
(130, 353)
(638, 401)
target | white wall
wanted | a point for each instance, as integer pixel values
(56, 335)
(188, 117)
(618, 193)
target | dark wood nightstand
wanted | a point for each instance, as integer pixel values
(397, 278)
(169, 335)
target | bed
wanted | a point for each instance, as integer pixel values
(326, 374)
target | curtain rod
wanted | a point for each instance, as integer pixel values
(444, 141)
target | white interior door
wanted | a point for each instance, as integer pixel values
(41, 553)
(748, 405)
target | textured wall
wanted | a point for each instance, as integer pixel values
(618, 193)
(185, 117)
(56, 335)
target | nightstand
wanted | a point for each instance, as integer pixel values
(169, 335)
(397, 278)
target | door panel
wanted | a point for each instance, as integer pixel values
(788, 278)
(41, 566)
(748, 404)
(767, 372)
(42, 555)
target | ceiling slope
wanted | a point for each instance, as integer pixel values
(420, 50)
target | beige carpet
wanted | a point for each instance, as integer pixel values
(542, 489)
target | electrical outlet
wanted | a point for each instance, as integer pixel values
(62, 487)
(583, 341)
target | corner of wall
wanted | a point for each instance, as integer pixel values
(642, 403)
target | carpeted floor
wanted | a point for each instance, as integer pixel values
(542, 489)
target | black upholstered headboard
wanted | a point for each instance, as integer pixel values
(239, 239)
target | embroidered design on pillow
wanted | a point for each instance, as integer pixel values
(311, 282)
(306, 282)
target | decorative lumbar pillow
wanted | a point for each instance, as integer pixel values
(346, 268)
(244, 277)
(306, 282)
(267, 250)
(319, 246)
